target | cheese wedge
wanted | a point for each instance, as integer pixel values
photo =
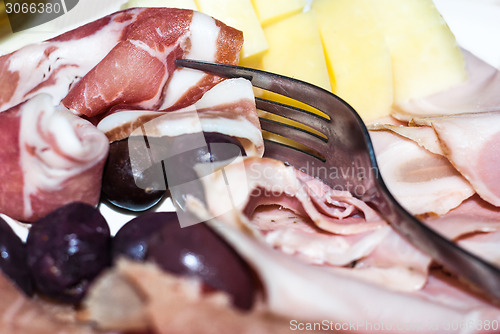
(425, 55)
(358, 58)
(295, 50)
(271, 11)
(238, 14)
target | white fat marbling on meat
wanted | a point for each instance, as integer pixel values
(227, 108)
(423, 182)
(68, 61)
(55, 146)
(203, 46)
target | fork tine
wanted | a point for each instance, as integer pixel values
(312, 120)
(296, 89)
(296, 134)
(291, 155)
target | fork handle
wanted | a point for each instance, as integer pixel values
(481, 274)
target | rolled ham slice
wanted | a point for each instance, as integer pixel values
(126, 59)
(301, 216)
(367, 291)
(227, 108)
(138, 70)
(50, 157)
(423, 182)
(472, 143)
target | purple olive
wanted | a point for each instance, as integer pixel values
(13, 258)
(132, 240)
(119, 184)
(67, 249)
(197, 251)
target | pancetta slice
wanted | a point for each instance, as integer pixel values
(227, 108)
(422, 181)
(50, 157)
(478, 94)
(472, 143)
(473, 216)
(137, 71)
(424, 136)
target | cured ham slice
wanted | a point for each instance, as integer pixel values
(138, 69)
(170, 304)
(50, 157)
(422, 181)
(126, 58)
(303, 217)
(54, 66)
(21, 315)
(254, 182)
(227, 108)
(424, 136)
(472, 143)
(473, 216)
(334, 295)
(478, 94)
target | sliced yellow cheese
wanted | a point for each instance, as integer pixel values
(358, 58)
(270, 11)
(425, 54)
(238, 14)
(184, 4)
(295, 50)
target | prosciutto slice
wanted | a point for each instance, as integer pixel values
(136, 71)
(422, 181)
(126, 58)
(477, 157)
(54, 66)
(50, 157)
(303, 217)
(339, 292)
(227, 108)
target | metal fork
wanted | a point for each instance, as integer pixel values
(345, 148)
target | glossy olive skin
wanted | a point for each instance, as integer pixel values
(67, 249)
(128, 187)
(197, 251)
(119, 186)
(133, 238)
(14, 259)
(180, 167)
